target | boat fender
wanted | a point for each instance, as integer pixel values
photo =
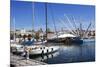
(42, 52)
(52, 49)
(47, 50)
(43, 47)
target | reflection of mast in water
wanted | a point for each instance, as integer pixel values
(47, 56)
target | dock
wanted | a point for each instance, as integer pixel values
(19, 61)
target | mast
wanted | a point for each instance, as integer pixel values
(33, 18)
(52, 14)
(81, 30)
(46, 18)
(70, 24)
(75, 25)
(87, 29)
(14, 29)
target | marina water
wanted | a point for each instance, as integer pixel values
(70, 53)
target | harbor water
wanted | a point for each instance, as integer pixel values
(69, 53)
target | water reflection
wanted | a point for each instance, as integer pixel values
(69, 53)
(44, 57)
(74, 53)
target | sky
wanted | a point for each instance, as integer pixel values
(31, 15)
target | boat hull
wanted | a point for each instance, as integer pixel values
(47, 50)
(65, 40)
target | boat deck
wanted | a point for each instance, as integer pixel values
(21, 61)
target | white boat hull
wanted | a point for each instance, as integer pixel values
(33, 50)
(44, 50)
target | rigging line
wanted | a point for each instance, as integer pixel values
(93, 25)
(33, 14)
(52, 14)
(80, 29)
(70, 29)
(65, 25)
(81, 32)
(46, 10)
(68, 20)
(74, 22)
(69, 23)
(87, 28)
(74, 26)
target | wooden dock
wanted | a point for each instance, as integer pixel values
(18, 61)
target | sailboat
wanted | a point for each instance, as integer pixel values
(42, 49)
(65, 37)
(34, 49)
